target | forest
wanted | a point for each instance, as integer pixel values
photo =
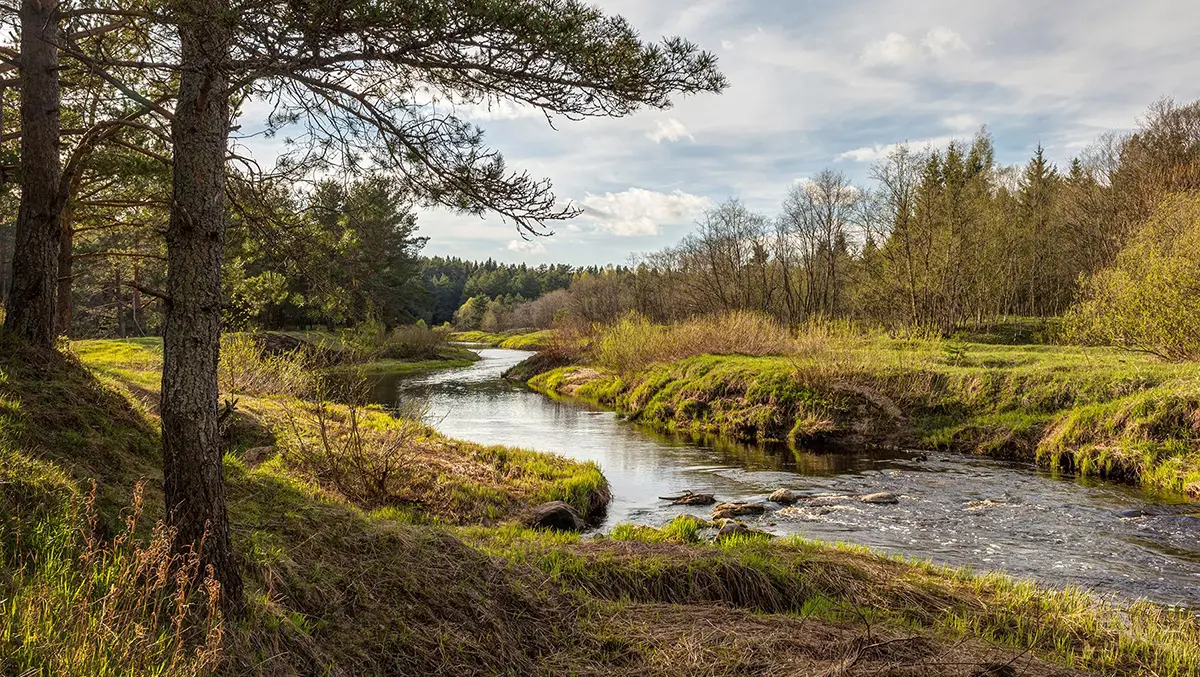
(936, 419)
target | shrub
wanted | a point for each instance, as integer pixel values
(635, 342)
(1149, 300)
(365, 458)
(414, 342)
(370, 341)
(246, 367)
(85, 606)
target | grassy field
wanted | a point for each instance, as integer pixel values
(514, 340)
(1094, 411)
(419, 579)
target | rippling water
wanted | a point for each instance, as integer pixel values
(954, 509)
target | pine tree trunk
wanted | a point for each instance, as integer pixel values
(30, 310)
(66, 277)
(193, 478)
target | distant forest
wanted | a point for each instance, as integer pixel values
(936, 238)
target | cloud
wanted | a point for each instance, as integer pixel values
(892, 50)
(896, 48)
(671, 130)
(637, 212)
(497, 109)
(962, 122)
(526, 246)
(880, 151)
(941, 41)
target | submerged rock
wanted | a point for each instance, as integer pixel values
(880, 498)
(690, 498)
(783, 497)
(554, 515)
(737, 509)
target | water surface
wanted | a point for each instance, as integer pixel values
(954, 509)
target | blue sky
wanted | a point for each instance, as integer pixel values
(830, 84)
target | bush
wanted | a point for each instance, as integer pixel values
(635, 342)
(247, 368)
(370, 341)
(365, 458)
(1149, 300)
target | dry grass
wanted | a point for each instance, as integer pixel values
(635, 342)
(247, 368)
(76, 603)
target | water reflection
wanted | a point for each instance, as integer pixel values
(954, 509)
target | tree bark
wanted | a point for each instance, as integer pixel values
(30, 310)
(193, 476)
(66, 278)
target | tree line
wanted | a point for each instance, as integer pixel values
(120, 140)
(937, 238)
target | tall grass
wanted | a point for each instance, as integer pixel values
(635, 342)
(77, 604)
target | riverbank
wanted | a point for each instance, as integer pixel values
(513, 340)
(340, 583)
(1093, 411)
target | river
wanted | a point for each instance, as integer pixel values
(954, 509)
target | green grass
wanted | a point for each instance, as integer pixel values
(843, 583)
(334, 586)
(513, 340)
(407, 367)
(1094, 411)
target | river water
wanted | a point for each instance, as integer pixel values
(954, 509)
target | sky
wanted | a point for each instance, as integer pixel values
(816, 85)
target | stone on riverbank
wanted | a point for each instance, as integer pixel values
(554, 515)
(880, 498)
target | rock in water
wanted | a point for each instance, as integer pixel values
(690, 498)
(554, 515)
(730, 528)
(737, 509)
(881, 498)
(783, 497)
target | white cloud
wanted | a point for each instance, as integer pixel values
(671, 130)
(526, 246)
(497, 109)
(962, 122)
(638, 212)
(896, 48)
(941, 41)
(880, 151)
(892, 50)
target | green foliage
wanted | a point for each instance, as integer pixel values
(1149, 300)
(341, 255)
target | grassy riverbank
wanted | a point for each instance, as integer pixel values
(419, 579)
(514, 340)
(1095, 411)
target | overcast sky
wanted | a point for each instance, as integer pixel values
(831, 84)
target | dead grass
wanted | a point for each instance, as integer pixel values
(635, 342)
